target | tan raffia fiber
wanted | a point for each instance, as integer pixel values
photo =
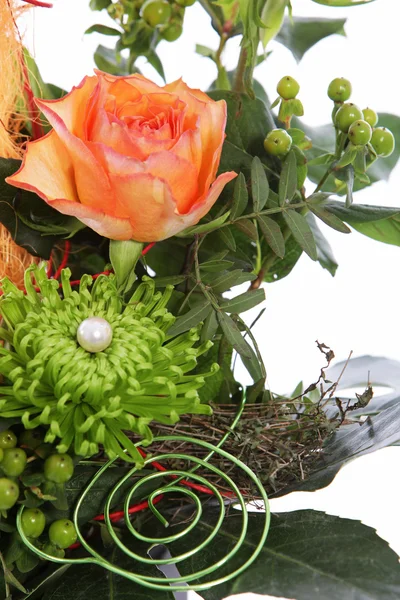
(13, 259)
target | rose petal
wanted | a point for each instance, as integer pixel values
(179, 174)
(93, 186)
(105, 225)
(149, 203)
(72, 108)
(46, 170)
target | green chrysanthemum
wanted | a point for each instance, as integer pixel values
(85, 398)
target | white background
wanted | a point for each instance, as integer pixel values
(358, 308)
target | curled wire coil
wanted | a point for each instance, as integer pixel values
(163, 583)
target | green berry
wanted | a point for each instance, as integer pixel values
(370, 116)
(58, 468)
(278, 142)
(185, 3)
(9, 492)
(288, 88)
(339, 89)
(33, 522)
(360, 133)
(51, 550)
(31, 438)
(156, 12)
(346, 115)
(14, 461)
(171, 32)
(62, 533)
(383, 141)
(8, 439)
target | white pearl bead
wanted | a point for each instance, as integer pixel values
(94, 334)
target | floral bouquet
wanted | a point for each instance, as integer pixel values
(130, 214)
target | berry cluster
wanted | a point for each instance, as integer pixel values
(359, 125)
(25, 464)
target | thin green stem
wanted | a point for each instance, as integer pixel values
(239, 81)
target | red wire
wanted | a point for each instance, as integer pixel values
(39, 3)
(64, 261)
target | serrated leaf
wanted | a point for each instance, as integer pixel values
(192, 318)
(227, 238)
(240, 197)
(329, 218)
(259, 185)
(301, 232)
(244, 301)
(288, 180)
(233, 335)
(248, 228)
(273, 235)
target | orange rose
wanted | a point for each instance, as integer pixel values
(128, 158)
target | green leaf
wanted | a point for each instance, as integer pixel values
(308, 555)
(228, 279)
(216, 265)
(210, 327)
(233, 335)
(299, 34)
(259, 185)
(288, 180)
(103, 29)
(205, 51)
(244, 301)
(324, 251)
(227, 238)
(19, 207)
(155, 61)
(248, 121)
(329, 218)
(347, 158)
(206, 227)
(99, 4)
(173, 280)
(93, 582)
(240, 197)
(248, 228)
(110, 61)
(273, 235)
(272, 17)
(301, 232)
(190, 319)
(377, 222)
(342, 2)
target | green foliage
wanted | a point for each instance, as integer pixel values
(299, 34)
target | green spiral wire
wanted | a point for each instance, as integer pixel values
(181, 583)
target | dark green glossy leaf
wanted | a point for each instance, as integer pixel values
(210, 327)
(282, 267)
(240, 197)
(308, 555)
(244, 301)
(329, 218)
(228, 279)
(233, 335)
(192, 318)
(259, 185)
(216, 265)
(299, 34)
(173, 280)
(288, 180)
(325, 255)
(301, 232)
(103, 29)
(273, 235)
(248, 228)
